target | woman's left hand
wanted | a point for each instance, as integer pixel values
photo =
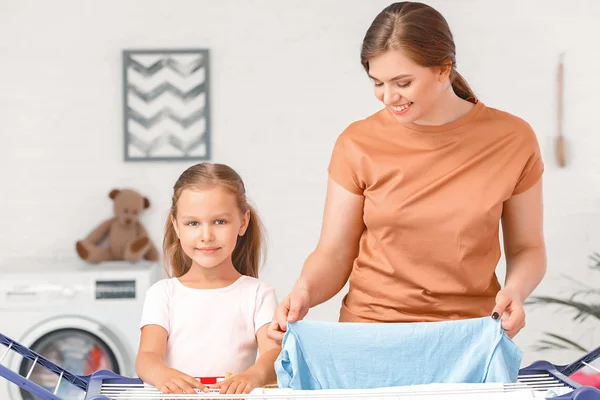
(237, 384)
(509, 307)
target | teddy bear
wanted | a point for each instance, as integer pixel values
(125, 235)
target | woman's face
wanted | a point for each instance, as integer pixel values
(409, 91)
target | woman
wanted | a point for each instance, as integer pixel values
(417, 191)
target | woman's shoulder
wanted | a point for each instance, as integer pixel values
(505, 119)
(365, 126)
(498, 123)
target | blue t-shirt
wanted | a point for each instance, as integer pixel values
(332, 355)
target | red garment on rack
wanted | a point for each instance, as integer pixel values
(587, 379)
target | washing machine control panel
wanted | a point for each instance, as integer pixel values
(37, 294)
(115, 289)
(23, 293)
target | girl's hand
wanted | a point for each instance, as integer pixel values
(172, 381)
(510, 307)
(237, 384)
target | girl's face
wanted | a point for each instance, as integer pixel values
(208, 223)
(409, 91)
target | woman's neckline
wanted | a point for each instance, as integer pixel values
(461, 121)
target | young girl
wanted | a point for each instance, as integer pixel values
(210, 318)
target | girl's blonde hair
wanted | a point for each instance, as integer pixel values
(248, 251)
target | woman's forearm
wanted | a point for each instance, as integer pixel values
(525, 270)
(324, 275)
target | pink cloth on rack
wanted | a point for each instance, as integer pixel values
(587, 379)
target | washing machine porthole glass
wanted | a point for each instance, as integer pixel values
(78, 351)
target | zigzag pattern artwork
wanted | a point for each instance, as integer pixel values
(165, 105)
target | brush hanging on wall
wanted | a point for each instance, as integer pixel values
(561, 145)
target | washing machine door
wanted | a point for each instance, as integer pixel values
(79, 345)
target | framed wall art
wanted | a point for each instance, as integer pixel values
(166, 107)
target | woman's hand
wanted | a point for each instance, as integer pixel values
(170, 380)
(292, 308)
(509, 307)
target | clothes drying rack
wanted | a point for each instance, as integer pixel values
(541, 376)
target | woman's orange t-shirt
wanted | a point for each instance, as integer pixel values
(433, 199)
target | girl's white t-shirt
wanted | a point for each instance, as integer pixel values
(211, 331)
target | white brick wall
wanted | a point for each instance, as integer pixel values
(286, 80)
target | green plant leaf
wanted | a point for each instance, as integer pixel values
(568, 342)
(595, 257)
(579, 302)
(583, 310)
(557, 342)
(585, 293)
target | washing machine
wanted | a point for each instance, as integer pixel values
(83, 317)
